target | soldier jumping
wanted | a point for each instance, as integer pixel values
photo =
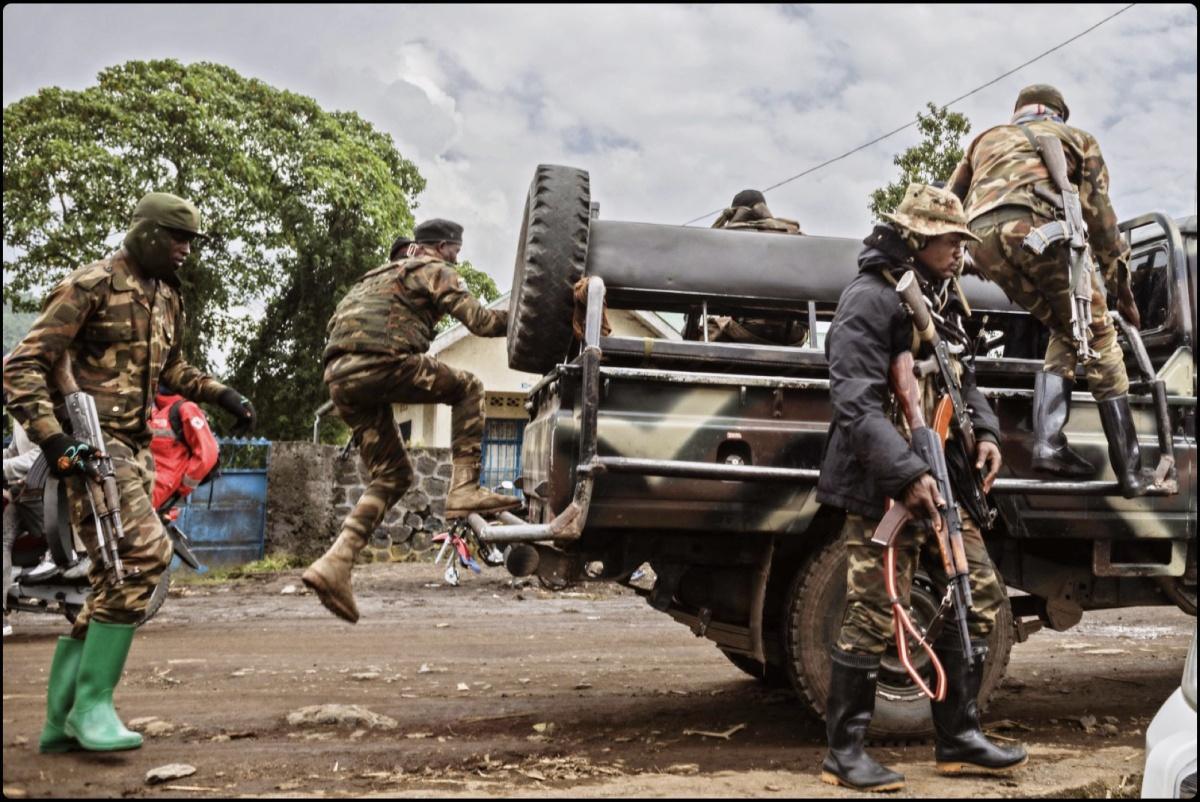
(375, 357)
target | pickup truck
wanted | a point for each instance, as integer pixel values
(701, 458)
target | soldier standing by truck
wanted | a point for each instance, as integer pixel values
(375, 357)
(120, 321)
(868, 460)
(1007, 191)
(748, 211)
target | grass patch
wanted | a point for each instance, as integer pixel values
(271, 564)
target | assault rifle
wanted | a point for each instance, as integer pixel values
(929, 444)
(100, 483)
(1069, 229)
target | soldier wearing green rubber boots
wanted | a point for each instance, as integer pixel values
(119, 321)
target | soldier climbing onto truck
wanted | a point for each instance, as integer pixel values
(375, 357)
(1006, 186)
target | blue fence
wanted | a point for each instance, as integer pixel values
(226, 519)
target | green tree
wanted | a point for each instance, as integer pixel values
(933, 159)
(297, 203)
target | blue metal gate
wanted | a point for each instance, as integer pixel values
(226, 519)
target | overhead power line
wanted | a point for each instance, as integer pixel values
(878, 139)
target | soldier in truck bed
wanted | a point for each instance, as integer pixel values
(868, 459)
(375, 357)
(748, 212)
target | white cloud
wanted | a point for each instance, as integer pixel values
(672, 108)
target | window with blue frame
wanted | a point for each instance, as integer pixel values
(502, 453)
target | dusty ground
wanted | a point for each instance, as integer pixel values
(503, 691)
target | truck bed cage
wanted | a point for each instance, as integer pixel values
(568, 525)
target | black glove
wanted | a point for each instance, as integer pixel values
(240, 408)
(65, 455)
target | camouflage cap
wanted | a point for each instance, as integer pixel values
(748, 197)
(1044, 94)
(931, 212)
(438, 230)
(168, 211)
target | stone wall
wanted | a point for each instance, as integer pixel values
(310, 491)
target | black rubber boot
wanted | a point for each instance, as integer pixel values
(1051, 411)
(1123, 448)
(960, 745)
(847, 716)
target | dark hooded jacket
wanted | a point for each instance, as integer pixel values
(867, 460)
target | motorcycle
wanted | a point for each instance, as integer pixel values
(49, 575)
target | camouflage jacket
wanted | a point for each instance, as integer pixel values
(1001, 168)
(792, 331)
(394, 309)
(121, 344)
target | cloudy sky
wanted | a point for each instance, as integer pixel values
(671, 108)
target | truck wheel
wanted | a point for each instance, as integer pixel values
(775, 676)
(815, 604)
(551, 257)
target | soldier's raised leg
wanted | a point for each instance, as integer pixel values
(391, 475)
(466, 445)
(1000, 255)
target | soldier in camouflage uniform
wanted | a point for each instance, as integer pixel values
(375, 357)
(1008, 191)
(868, 460)
(120, 321)
(748, 212)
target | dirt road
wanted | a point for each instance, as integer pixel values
(487, 689)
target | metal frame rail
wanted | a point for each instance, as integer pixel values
(568, 525)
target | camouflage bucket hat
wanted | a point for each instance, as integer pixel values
(931, 212)
(1044, 94)
(168, 211)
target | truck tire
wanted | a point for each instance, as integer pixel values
(551, 257)
(816, 602)
(774, 676)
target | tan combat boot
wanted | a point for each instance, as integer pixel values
(466, 496)
(329, 577)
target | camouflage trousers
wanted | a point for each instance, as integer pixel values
(1041, 284)
(146, 548)
(364, 400)
(867, 623)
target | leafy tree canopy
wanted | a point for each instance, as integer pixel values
(297, 203)
(933, 159)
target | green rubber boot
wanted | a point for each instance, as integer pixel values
(60, 695)
(92, 720)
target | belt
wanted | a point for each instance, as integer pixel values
(1002, 214)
